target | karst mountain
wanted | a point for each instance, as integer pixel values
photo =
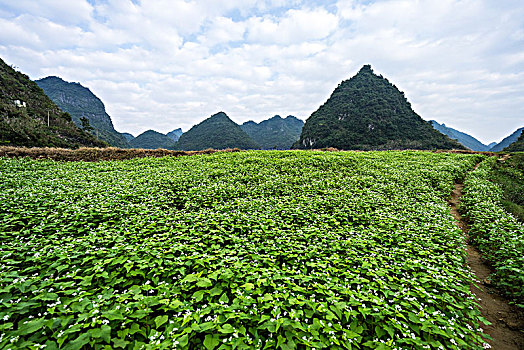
(518, 145)
(217, 132)
(28, 117)
(152, 139)
(507, 141)
(465, 139)
(80, 102)
(367, 112)
(274, 133)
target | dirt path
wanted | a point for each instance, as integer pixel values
(507, 323)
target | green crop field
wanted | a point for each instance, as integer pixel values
(247, 250)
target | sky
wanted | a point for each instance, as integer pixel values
(165, 64)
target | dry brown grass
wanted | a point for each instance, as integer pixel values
(111, 153)
(96, 154)
(464, 151)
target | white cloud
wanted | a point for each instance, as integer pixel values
(13, 33)
(222, 30)
(165, 64)
(59, 11)
(295, 27)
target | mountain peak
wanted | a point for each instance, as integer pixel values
(275, 132)
(52, 77)
(367, 112)
(175, 134)
(152, 139)
(220, 115)
(28, 126)
(366, 69)
(218, 132)
(80, 102)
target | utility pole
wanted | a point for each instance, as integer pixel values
(48, 118)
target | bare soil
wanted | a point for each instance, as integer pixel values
(507, 322)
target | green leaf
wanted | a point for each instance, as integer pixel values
(224, 298)
(113, 315)
(216, 291)
(204, 283)
(160, 320)
(414, 318)
(86, 281)
(48, 296)
(120, 343)
(191, 278)
(106, 333)
(32, 326)
(206, 325)
(96, 332)
(226, 328)
(379, 331)
(211, 341)
(77, 344)
(199, 295)
(248, 286)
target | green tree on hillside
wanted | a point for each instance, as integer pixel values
(85, 124)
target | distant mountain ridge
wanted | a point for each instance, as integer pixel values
(517, 146)
(465, 139)
(151, 139)
(175, 134)
(507, 141)
(80, 102)
(217, 132)
(28, 117)
(127, 136)
(367, 112)
(275, 133)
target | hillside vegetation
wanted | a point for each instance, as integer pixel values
(274, 133)
(465, 139)
(507, 141)
(509, 175)
(28, 126)
(517, 146)
(80, 102)
(218, 132)
(367, 112)
(151, 139)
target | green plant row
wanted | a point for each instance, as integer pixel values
(498, 235)
(247, 250)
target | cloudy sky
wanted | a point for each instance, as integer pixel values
(164, 64)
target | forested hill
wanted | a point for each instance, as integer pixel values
(465, 139)
(517, 146)
(151, 139)
(507, 141)
(28, 117)
(367, 112)
(218, 132)
(276, 132)
(80, 102)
